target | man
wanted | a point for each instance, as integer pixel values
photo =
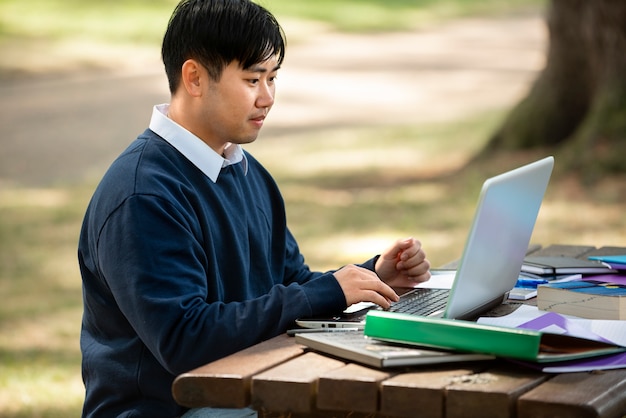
(184, 252)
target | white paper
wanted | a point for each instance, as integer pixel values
(355, 307)
(612, 330)
(439, 280)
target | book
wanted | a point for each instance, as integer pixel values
(527, 283)
(616, 262)
(522, 293)
(552, 266)
(610, 258)
(598, 329)
(512, 343)
(527, 316)
(610, 362)
(595, 297)
(355, 346)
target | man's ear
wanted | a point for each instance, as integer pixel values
(192, 77)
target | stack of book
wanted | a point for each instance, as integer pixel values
(552, 267)
(595, 296)
(527, 343)
(541, 270)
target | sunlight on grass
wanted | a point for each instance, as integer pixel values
(126, 21)
(27, 390)
(43, 36)
(143, 21)
(376, 16)
(41, 309)
(97, 34)
(41, 198)
(40, 366)
(351, 192)
(574, 215)
(386, 150)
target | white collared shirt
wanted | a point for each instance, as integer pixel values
(193, 148)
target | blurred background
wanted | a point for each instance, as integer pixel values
(382, 108)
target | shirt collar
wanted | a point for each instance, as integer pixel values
(193, 148)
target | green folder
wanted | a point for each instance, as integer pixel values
(515, 343)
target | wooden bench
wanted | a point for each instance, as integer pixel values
(281, 378)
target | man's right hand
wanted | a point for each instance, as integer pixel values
(362, 285)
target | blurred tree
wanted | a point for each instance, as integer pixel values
(578, 103)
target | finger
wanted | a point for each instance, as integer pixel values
(380, 299)
(420, 278)
(382, 290)
(417, 267)
(398, 248)
(362, 285)
(408, 247)
(410, 262)
(420, 273)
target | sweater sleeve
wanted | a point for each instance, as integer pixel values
(155, 270)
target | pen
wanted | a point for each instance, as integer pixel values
(295, 331)
(532, 283)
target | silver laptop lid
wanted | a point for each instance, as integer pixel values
(504, 220)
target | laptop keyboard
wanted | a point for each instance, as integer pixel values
(421, 302)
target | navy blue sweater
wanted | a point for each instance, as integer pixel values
(179, 271)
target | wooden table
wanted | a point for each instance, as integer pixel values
(281, 378)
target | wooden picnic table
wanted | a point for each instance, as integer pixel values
(280, 378)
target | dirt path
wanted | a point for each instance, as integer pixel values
(69, 128)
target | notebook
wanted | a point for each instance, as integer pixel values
(355, 346)
(495, 248)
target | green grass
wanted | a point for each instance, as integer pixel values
(364, 187)
(144, 21)
(41, 309)
(111, 21)
(54, 36)
(391, 15)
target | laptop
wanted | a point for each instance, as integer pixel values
(489, 267)
(355, 346)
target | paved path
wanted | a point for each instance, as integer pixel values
(70, 128)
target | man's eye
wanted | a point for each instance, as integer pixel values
(253, 81)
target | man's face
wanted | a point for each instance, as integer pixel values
(235, 107)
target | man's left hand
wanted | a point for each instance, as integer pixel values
(404, 264)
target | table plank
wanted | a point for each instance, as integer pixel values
(424, 391)
(490, 394)
(291, 386)
(577, 395)
(225, 383)
(350, 388)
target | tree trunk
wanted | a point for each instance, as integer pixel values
(577, 105)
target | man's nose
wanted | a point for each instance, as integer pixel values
(266, 96)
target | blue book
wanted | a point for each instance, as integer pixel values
(596, 297)
(610, 258)
(617, 262)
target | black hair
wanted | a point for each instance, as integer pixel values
(218, 32)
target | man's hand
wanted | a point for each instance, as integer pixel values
(361, 285)
(404, 264)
